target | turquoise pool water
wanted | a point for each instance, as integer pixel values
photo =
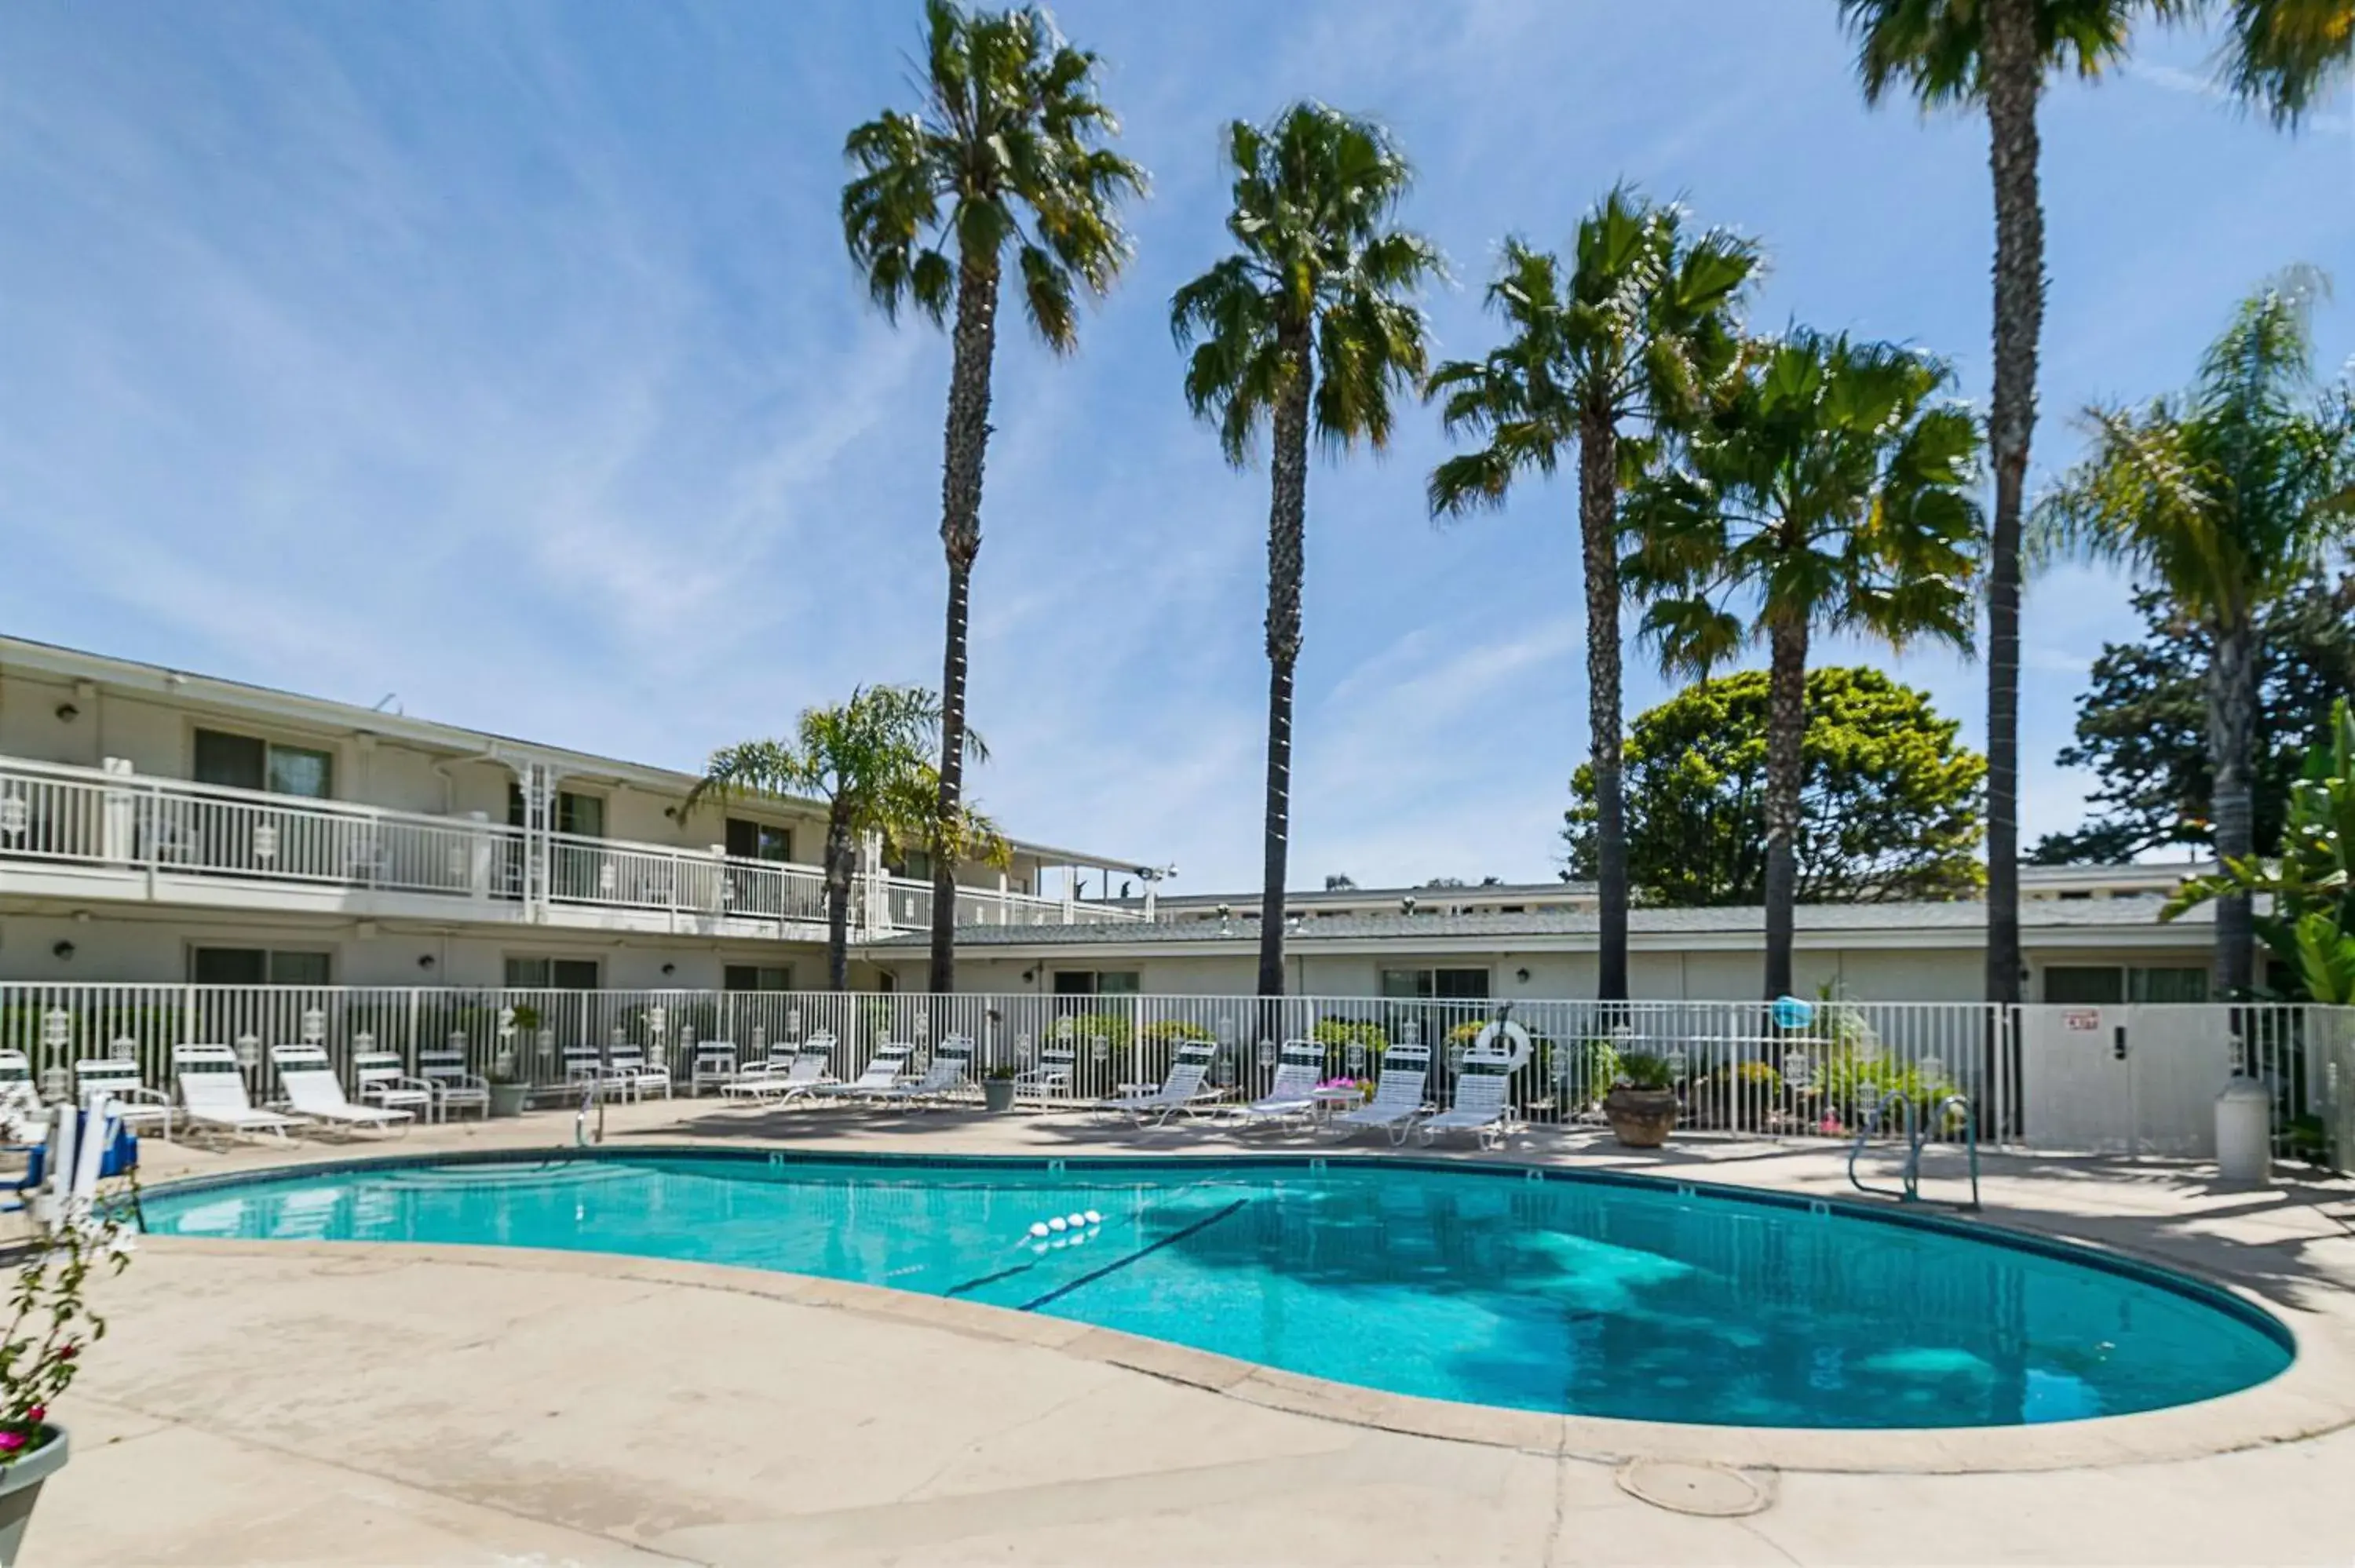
(1639, 1299)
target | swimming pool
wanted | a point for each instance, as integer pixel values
(1600, 1295)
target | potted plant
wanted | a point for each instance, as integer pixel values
(50, 1325)
(997, 1089)
(510, 1088)
(1642, 1104)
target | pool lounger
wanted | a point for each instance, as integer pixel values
(1182, 1091)
(1292, 1094)
(1481, 1108)
(883, 1070)
(944, 1076)
(786, 1077)
(212, 1091)
(316, 1095)
(1398, 1103)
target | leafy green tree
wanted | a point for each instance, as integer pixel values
(869, 759)
(1007, 153)
(1310, 323)
(2142, 724)
(2284, 54)
(2309, 890)
(1830, 488)
(1630, 339)
(1889, 800)
(1995, 55)
(2227, 497)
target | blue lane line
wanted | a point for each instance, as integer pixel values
(1118, 1264)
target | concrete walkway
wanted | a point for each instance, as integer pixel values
(281, 1402)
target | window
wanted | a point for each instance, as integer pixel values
(255, 966)
(759, 840)
(916, 866)
(757, 977)
(1096, 982)
(1446, 985)
(2085, 986)
(575, 814)
(551, 974)
(248, 762)
(2167, 985)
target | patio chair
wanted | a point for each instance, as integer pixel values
(1051, 1078)
(1292, 1094)
(1398, 1103)
(1183, 1090)
(1481, 1108)
(315, 1094)
(713, 1063)
(454, 1088)
(585, 1065)
(135, 1102)
(883, 1070)
(807, 1071)
(212, 1093)
(383, 1081)
(636, 1076)
(943, 1075)
(21, 1114)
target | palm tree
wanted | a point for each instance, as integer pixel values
(2226, 497)
(1635, 335)
(869, 759)
(2284, 54)
(1997, 54)
(1007, 152)
(1828, 489)
(1308, 322)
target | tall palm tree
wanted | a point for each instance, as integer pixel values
(1635, 337)
(1309, 322)
(1007, 153)
(2286, 54)
(2227, 496)
(869, 759)
(1996, 54)
(1831, 489)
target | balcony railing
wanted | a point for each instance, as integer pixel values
(84, 817)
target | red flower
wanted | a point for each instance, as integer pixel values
(11, 1441)
(68, 1352)
(38, 1412)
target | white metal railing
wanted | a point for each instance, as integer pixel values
(79, 816)
(2035, 1077)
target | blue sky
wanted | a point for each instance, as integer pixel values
(506, 357)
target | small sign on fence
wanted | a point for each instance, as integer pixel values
(2082, 1020)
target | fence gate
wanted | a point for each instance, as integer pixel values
(2142, 1079)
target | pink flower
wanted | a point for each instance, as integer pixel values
(38, 1412)
(11, 1441)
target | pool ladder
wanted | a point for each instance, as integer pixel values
(582, 1137)
(1917, 1133)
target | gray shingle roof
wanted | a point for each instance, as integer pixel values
(1954, 915)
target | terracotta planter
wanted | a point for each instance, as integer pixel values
(997, 1093)
(508, 1099)
(20, 1487)
(1641, 1119)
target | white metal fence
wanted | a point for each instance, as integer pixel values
(66, 816)
(2132, 1080)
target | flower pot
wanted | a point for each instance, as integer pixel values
(507, 1100)
(1641, 1119)
(20, 1487)
(997, 1093)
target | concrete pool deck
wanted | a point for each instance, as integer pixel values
(316, 1403)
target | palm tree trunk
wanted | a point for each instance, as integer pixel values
(838, 900)
(1287, 546)
(2015, 75)
(1786, 732)
(2232, 723)
(966, 444)
(1598, 527)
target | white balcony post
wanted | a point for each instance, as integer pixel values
(117, 837)
(1005, 903)
(1070, 895)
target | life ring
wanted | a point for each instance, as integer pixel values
(1505, 1037)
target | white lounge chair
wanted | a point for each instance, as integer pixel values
(315, 1094)
(23, 1118)
(383, 1081)
(212, 1092)
(454, 1088)
(1292, 1094)
(713, 1064)
(943, 1075)
(1481, 1108)
(883, 1070)
(1181, 1091)
(135, 1102)
(635, 1075)
(585, 1065)
(1398, 1103)
(750, 1078)
(1051, 1078)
